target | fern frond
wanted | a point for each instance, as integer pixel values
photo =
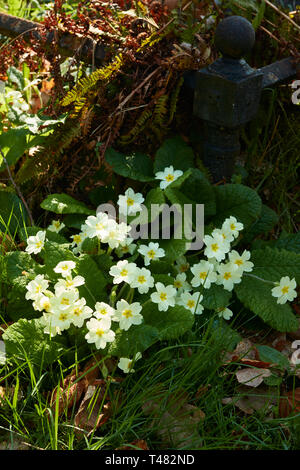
(160, 110)
(138, 127)
(44, 159)
(174, 99)
(86, 83)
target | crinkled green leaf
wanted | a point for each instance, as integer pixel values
(269, 264)
(215, 297)
(236, 200)
(13, 145)
(264, 224)
(175, 152)
(171, 324)
(65, 204)
(25, 339)
(51, 236)
(137, 339)
(134, 165)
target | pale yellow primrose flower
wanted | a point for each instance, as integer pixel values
(241, 261)
(229, 275)
(216, 247)
(65, 268)
(285, 290)
(128, 314)
(36, 287)
(181, 284)
(104, 312)
(130, 203)
(167, 176)
(164, 296)
(233, 226)
(125, 364)
(151, 252)
(192, 302)
(35, 243)
(204, 274)
(225, 313)
(142, 280)
(99, 333)
(123, 271)
(56, 226)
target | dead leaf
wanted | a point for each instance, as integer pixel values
(253, 401)
(16, 444)
(139, 443)
(177, 425)
(245, 350)
(69, 393)
(289, 403)
(252, 377)
(94, 409)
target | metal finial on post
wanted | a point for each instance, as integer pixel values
(227, 95)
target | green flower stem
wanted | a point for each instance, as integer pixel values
(130, 295)
(260, 279)
(109, 250)
(113, 296)
(121, 291)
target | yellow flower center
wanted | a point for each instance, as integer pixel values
(65, 301)
(65, 267)
(232, 226)
(227, 276)
(77, 239)
(77, 311)
(169, 177)
(99, 332)
(103, 311)
(151, 254)
(63, 316)
(124, 272)
(39, 244)
(183, 268)
(141, 279)
(203, 275)
(130, 201)
(239, 262)
(163, 296)
(99, 226)
(191, 303)
(38, 289)
(127, 313)
(215, 247)
(285, 289)
(177, 284)
(46, 306)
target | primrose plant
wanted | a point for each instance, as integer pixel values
(138, 298)
(90, 279)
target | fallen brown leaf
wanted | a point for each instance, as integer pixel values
(289, 403)
(253, 401)
(68, 394)
(139, 443)
(252, 377)
(94, 409)
(176, 421)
